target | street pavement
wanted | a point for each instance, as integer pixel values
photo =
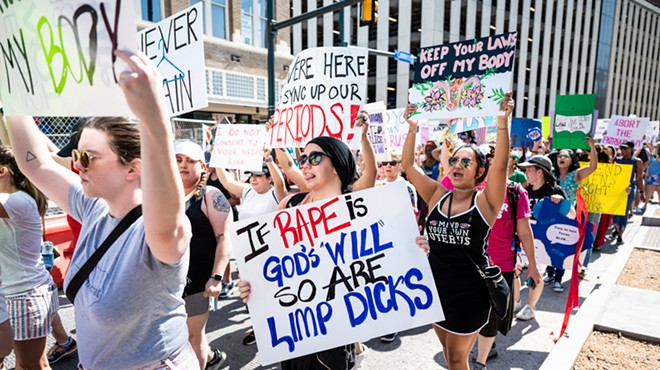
(528, 345)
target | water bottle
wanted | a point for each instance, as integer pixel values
(47, 255)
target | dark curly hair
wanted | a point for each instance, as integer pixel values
(575, 162)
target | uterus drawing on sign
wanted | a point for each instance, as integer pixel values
(178, 73)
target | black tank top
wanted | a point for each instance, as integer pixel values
(449, 240)
(202, 245)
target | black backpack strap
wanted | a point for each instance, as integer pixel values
(82, 274)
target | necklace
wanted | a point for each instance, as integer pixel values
(465, 190)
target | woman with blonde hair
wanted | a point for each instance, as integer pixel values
(30, 293)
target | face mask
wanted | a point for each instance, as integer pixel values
(517, 153)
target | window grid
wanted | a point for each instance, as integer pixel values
(217, 83)
(239, 86)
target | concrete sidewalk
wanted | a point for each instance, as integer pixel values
(529, 345)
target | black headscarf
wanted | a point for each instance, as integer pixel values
(341, 157)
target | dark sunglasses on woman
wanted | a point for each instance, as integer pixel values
(390, 163)
(465, 161)
(314, 158)
(82, 156)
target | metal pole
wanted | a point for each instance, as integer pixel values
(342, 32)
(271, 55)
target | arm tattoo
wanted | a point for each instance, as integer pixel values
(217, 237)
(220, 203)
(30, 157)
(290, 163)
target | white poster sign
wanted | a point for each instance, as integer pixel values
(238, 147)
(176, 46)
(573, 123)
(622, 129)
(58, 56)
(601, 126)
(377, 133)
(333, 272)
(324, 90)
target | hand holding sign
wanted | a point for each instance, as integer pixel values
(142, 86)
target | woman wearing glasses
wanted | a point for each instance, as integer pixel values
(30, 293)
(129, 311)
(458, 226)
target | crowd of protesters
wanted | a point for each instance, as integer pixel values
(167, 214)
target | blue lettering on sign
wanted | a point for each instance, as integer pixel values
(371, 302)
(316, 319)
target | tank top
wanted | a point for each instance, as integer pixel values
(202, 246)
(570, 186)
(450, 239)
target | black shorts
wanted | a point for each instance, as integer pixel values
(502, 325)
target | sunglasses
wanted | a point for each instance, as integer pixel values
(563, 156)
(388, 163)
(82, 156)
(314, 158)
(465, 161)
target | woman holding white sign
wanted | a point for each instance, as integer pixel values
(129, 311)
(458, 226)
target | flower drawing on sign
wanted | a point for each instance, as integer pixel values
(473, 96)
(435, 100)
(452, 94)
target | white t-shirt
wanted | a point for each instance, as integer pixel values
(20, 244)
(254, 204)
(4, 316)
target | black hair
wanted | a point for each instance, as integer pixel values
(482, 161)
(575, 164)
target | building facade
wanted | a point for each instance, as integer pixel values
(235, 54)
(607, 47)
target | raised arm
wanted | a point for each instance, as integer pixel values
(292, 172)
(276, 176)
(426, 187)
(583, 172)
(493, 194)
(232, 185)
(166, 227)
(368, 178)
(218, 212)
(35, 161)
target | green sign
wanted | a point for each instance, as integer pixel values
(573, 120)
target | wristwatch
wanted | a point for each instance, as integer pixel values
(216, 277)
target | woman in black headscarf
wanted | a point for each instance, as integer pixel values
(328, 168)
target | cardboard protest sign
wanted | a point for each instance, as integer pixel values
(556, 236)
(606, 188)
(525, 132)
(459, 125)
(397, 128)
(176, 46)
(377, 133)
(573, 120)
(324, 90)
(58, 56)
(464, 79)
(622, 129)
(333, 272)
(545, 126)
(239, 147)
(652, 132)
(601, 126)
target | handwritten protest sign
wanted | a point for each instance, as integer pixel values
(333, 272)
(525, 132)
(607, 188)
(622, 129)
(459, 125)
(377, 133)
(239, 147)
(176, 46)
(397, 128)
(58, 56)
(601, 127)
(556, 236)
(464, 79)
(573, 120)
(652, 132)
(324, 90)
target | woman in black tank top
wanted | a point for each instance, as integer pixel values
(458, 226)
(209, 213)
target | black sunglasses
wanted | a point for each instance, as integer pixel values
(390, 163)
(465, 161)
(314, 158)
(82, 156)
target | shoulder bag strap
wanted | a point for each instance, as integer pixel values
(451, 198)
(82, 274)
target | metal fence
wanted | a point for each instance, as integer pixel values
(56, 128)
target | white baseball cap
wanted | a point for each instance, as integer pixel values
(190, 150)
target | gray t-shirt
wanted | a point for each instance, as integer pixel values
(129, 312)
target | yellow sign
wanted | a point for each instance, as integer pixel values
(606, 188)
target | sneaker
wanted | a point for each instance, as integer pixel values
(361, 358)
(249, 339)
(517, 306)
(227, 289)
(58, 351)
(388, 338)
(557, 287)
(527, 313)
(219, 358)
(548, 279)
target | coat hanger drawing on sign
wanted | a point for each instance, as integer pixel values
(161, 47)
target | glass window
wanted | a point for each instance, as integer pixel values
(217, 17)
(253, 22)
(151, 10)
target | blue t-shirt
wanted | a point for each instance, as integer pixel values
(129, 312)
